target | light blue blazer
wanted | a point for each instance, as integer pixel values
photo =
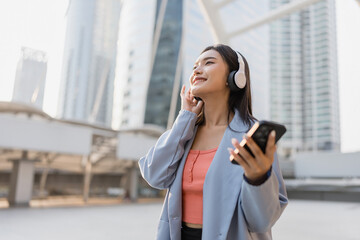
(232, 208)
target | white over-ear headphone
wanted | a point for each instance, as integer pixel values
(237, 79)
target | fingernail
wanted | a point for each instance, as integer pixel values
(273, 133)
(234, 141)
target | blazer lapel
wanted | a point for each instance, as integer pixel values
(222, 184)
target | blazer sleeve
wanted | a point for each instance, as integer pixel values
(262, 205)
(158, 166)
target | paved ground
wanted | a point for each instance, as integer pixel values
(305, 220)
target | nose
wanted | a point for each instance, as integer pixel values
(197, 70)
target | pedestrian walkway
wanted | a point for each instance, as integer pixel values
(127, 221)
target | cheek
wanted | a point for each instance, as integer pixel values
(221, 77)
(219, 73)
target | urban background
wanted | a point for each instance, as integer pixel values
(87, 86)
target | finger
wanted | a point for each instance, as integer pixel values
(188, 92)
(246, 156)
(237, 146)
(238, 159)
(255, 149)
(182, 93)
(235, 142)
(187, 95)
(192, 97)
(199, 105)
(270, 145)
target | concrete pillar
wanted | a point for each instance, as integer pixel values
(125, 184)
(87, 180)
(134, 183)
(21, 182)
(47, 162)
(43, 179)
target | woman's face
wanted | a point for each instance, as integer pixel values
(209, 74)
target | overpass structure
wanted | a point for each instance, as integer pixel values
(211, 11)
(30, 139)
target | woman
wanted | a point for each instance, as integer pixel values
(208, 197)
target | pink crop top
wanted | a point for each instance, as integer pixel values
(196, 166)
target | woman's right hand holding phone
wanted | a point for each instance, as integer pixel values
(189, 103)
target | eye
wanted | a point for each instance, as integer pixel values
(208, 62)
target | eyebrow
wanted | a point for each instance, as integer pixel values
(207, 58)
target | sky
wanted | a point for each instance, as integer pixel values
(41, 25)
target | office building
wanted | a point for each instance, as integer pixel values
(30, 77)
(148, 61)
(89, 61)
(304, 81)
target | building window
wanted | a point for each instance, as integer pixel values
(126, 107)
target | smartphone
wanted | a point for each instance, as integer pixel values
(260, 133)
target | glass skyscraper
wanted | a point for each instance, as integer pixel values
(304, 82)
(165, 63)
(89, 61)
(148, 59)
(134, 60)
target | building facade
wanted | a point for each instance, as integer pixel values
(134, 58)
(165, 62)
(304, 81)
(148, 62)
(89, 61)
(30, 77)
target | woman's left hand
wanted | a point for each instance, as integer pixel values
(256, 167)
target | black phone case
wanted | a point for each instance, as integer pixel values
(261, 133)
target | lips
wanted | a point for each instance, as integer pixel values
(198, 79)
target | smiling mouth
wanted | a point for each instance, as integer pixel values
(199, 80)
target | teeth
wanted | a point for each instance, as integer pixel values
(199, 81)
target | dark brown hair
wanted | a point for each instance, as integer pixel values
(240, 100)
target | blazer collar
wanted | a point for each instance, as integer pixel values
(238, 124)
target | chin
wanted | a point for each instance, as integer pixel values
(195, 91)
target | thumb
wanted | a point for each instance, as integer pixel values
(199, 106)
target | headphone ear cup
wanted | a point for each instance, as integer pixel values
(231, 82)
(240, 79)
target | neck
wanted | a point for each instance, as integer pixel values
(216, 111)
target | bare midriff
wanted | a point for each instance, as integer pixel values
(192, 225)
